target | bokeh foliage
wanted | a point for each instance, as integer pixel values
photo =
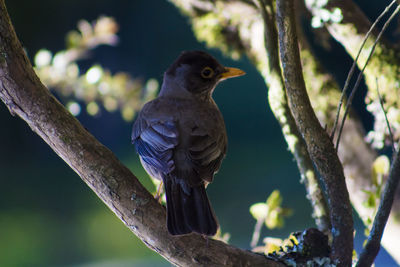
(96, 87)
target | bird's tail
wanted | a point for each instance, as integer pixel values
(188, 210)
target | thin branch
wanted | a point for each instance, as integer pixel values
(25, 96)
(361, 73)
(386, 119)
(372, 247)
(271, 35)
(353, 66)
(318, 141)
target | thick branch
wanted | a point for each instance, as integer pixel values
(279, 105)
(318, 142)
(355, 154)
(116, 186)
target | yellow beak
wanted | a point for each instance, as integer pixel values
(230, 73)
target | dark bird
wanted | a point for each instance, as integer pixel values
(181, 139)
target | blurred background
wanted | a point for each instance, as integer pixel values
(49, 217)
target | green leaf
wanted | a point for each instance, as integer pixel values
(371, 201)
(274, 200)
(380, 167)
(259, 211)
(274, 220)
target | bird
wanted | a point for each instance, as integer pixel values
(181, 139)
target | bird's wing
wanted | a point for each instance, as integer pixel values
(207, 152)
(154, 141)
(196, 160)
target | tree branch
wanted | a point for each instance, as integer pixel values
(386, 119)
(373, 245)
(353, 66)
(279, 105)
(350, 32)
(318, 142)
(116, 186)
(353, 91)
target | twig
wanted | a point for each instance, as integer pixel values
(319, 144)
(386, 119)
(372, 247)
(353, 66)
(361, 73)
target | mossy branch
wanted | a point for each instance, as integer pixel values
(350, 32)
(279, 105)
(319, 144)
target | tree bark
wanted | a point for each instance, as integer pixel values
(24, 95)
(280, 107)
(319, 145)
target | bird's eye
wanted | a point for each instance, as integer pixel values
(207, 73)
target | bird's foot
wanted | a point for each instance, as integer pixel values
(159, 192)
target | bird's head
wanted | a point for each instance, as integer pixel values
(196, 73)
